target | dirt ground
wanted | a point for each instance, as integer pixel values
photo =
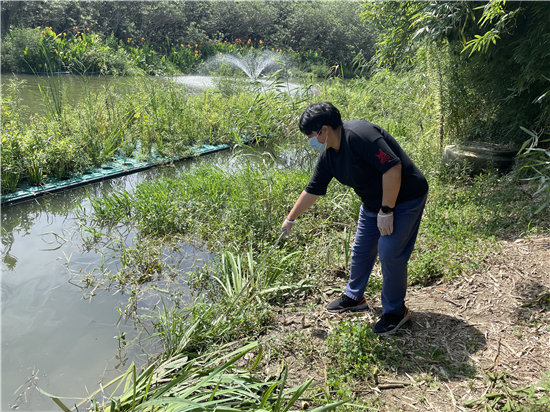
(464, 340)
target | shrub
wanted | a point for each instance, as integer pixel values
(355, 353)
(19, 48)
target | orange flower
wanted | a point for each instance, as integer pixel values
(43, 32)
(261, 42)
(142, 39)
(249, 41)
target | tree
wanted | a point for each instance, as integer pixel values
(331, 28)
(496, 55)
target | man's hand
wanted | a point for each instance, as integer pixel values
(385, 223)
(287, 226)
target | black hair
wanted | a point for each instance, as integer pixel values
(318, 115)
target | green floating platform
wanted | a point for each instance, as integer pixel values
(118, 167)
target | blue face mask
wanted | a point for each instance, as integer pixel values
(316, 144)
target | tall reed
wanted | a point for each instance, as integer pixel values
(210, 383)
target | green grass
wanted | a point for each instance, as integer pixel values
(356, 354)
(235, 211)
(209, 383)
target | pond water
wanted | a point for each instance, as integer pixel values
(52, 333)
(49, 331)
(75, 87)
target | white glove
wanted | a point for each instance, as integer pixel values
(385, 224)
(287, 226)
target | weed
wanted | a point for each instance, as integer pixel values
(502, 397)
(300, 341)
(355, 353)
(210, 382)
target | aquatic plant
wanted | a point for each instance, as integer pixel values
(155, 118)
(12, 152)
(210, 383)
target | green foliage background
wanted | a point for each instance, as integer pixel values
(332, 28)
(493, 61)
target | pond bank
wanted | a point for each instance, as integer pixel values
(461, 237)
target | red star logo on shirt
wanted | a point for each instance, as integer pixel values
(383, 157)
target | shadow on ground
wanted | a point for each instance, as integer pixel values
(437, 344)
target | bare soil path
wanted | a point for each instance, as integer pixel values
(466, 338)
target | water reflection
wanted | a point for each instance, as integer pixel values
(74, 89)
(51, 327)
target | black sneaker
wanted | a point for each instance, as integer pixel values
(389, 323)
(345, 303)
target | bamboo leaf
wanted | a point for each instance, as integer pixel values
(298, 392)
(334, 405)
(529, 132)
(258, 358)
(265, 396)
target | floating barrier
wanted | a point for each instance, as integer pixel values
(120, 166)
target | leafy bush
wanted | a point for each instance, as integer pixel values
(355, 353)
(493, 61)
(19, 48)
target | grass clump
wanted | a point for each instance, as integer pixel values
(217, 381)
(356, 354)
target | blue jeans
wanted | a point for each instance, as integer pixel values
(394, 252)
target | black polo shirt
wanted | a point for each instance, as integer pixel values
(367, 152)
